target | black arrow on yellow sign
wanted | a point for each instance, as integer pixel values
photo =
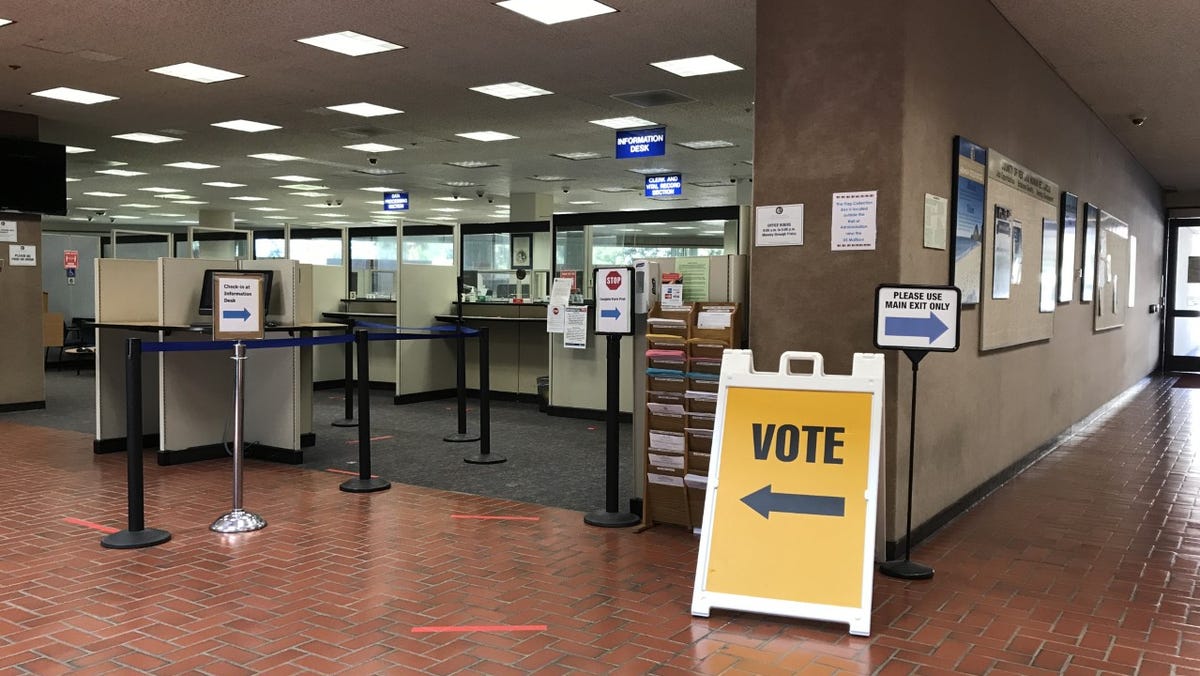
(764, 502)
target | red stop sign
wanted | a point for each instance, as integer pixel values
(613, 280)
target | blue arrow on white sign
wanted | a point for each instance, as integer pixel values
(930, 327)
(240, 313)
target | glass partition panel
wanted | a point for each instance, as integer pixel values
(428, 245)
(139, 244)
(218, 243)
(506, 261)
(270, 244)
(373, 263)
(623, 244)
(315, 246)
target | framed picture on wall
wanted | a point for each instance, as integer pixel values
(1091, 221)
(521, 248)
(1066, 258)
(968, 195)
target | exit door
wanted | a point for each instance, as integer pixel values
(1182, 336)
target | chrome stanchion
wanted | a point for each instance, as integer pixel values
(238, 520)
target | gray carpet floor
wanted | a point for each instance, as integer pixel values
(554, 461)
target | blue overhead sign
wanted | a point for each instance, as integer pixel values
(395, 201)
(641, 143)
(664, 185)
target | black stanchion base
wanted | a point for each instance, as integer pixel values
(485, 459)
(345, 422)
(365, 485)
(135, 539)
(605, 519)
(459, 437)
(906, 570)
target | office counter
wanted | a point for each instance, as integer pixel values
(518, 347)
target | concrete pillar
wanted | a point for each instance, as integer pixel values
(529, 206)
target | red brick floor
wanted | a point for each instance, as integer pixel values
(1085, 563)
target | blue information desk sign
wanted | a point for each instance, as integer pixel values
(395, 201)
(664, 185)
(641, 143)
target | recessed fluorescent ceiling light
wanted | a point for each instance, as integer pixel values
(74, 95)
(551, 179)
(142, 137)
(442, 218)
(293, 177)
(711, 184)
(249, 198)
(226, 184)
(5, 22)
(265, 209)
(697, 65)
(712, 232)
(372, 147)
(279, 218)
(319, 206)
(350, 43)
(75, 150)
(447, 210)
(197, 73)
(190, 202)
(651, 170)
(192, 165)
(136, 205)
(246, 125)
(707, 145)
(487, 136)
(309, 193)
(453, 198)
(120, 172)
(460, 184)
(379, 202)
(168, 215)
(380, 189)
(275, 157)
(105, 194)
(304, 186)
(156, 189)
(73, 180)
(585, 202)
(613, 189)
(472, 164)
(363, 109)
(174, 196)
(127, 218)
(511, 90)
(579, 156)
(627, 122)
(556, 11)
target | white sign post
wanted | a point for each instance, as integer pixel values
(614, 301)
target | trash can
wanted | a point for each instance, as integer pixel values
(543, 393)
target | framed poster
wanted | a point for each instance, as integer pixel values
(1066, 258)
(1091, 221)
(1002, 256)
(967, 197)
(521, 249)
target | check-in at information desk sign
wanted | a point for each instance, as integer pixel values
(789, 516)
(238, 306)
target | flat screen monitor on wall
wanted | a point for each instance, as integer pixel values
(206, 287)
(33, 177)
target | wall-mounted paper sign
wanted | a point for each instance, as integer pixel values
(8, 231)
(779, 225)
(22, 255)
(575, 327)
(854, 220)
(936, 212)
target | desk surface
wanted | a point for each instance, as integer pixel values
(349, 315)
(476, 318)
(155, 326)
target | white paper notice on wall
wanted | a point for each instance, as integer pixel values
(854, 220)
(8, 231)
(22, 254)
(575, 327)
(779, 225)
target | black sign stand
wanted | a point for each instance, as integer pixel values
(907, 569)
(610, 517)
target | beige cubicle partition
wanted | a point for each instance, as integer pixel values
(424, 365)
(126, 293)
(328, 290)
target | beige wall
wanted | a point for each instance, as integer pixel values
(849, 99)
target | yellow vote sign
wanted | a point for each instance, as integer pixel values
(789, 519)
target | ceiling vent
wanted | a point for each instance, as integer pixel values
(653, 97)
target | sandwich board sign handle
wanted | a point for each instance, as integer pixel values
(790, 506)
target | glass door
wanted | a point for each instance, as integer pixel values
(1183, 296)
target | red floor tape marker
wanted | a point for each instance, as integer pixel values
(89, 524)
(496, 518)
(386, 436)
(480, 627)
(346, 471)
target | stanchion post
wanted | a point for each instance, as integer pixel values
(348, 352)
(460, 374)
(485, 456)
(365, 483)
(610, 517)
(238, 520)
(136, 535)
(907, 569)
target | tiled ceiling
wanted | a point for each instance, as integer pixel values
(449, 46)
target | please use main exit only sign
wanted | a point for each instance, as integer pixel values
(913, 317)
